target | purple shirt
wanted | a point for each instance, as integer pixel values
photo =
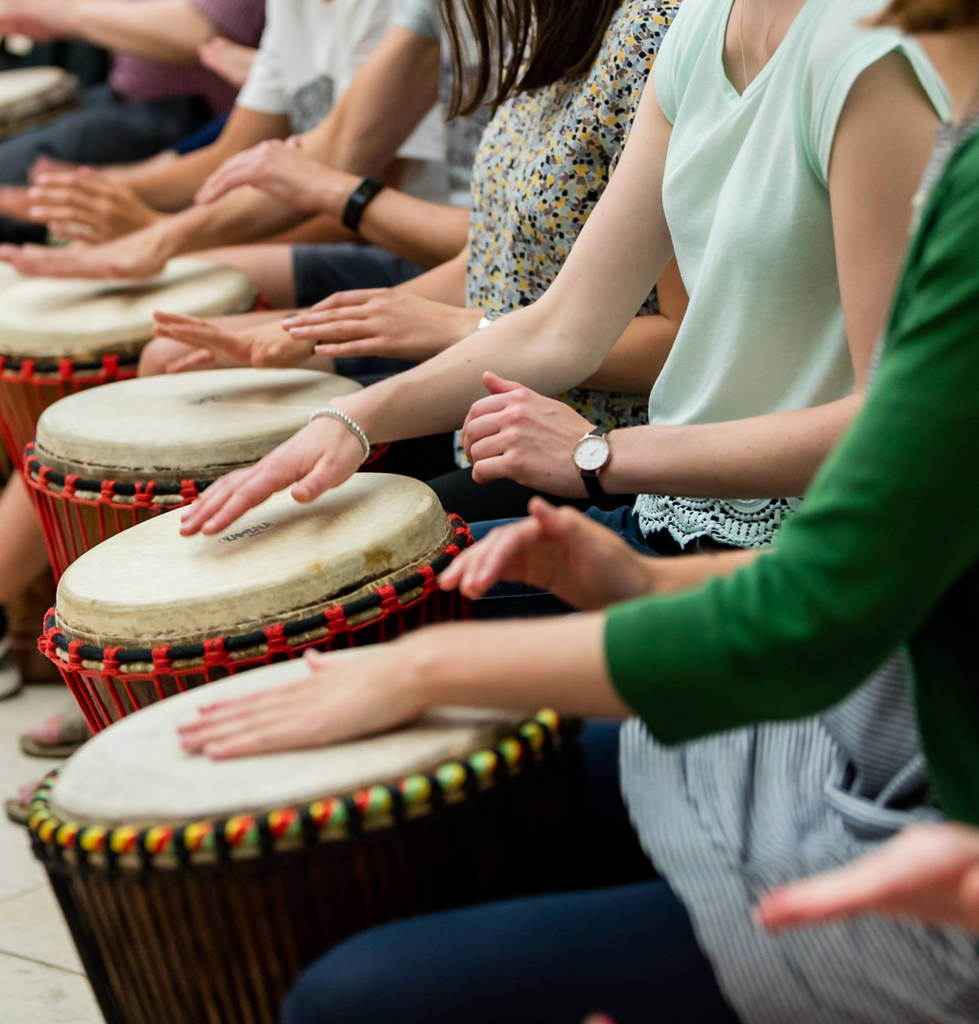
(139, 78)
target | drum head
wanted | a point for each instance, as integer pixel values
(165, 785)
(149, 586)
(27, 92)
(44, 317)
(186, 426)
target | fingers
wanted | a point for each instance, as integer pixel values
(498, 385)
(202, 359)
(320, 479)
(339, 325)
(353, 297)
(361, 347)
(494, 558)
(201, 334)
(52, 262)
(236, 172)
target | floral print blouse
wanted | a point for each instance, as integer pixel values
(544, 161)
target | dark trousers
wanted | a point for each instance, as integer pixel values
(624, 946)
(105, 129)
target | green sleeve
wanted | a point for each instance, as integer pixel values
(889, 525)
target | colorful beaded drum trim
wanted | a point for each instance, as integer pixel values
(122, 492)
(328, 819)
(279, 638)
(68, 367)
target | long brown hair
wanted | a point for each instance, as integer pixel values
(520, 45)
(930, 15)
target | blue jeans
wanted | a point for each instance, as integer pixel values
(624, 946)
(520, 601)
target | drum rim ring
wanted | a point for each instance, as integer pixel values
(343, 817)
(334, 618)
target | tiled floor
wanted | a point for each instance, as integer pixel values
(41, 980)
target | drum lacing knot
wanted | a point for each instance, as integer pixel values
(66, 369)
(275, 637)
(427, 574)
(44, 474)
(110, 365)
(74, 658)
(390, 604)
(110, 660)
(215, 655)
(189, 490)
(336, 620)
(143, 496)
(107, 491)
(161, 660)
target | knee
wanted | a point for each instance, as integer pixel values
(158, 354)
(355, 982)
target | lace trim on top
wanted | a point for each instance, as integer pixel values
(743, 523)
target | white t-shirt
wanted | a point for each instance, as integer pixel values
(310, 52)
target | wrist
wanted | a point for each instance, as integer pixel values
(336, 189)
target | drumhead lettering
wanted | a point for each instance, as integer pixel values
(249, 531)
(206, 399)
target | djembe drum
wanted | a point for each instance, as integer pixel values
(149, 613)
(59, 336)
(31, 96)
(196, 891)
(108, 459)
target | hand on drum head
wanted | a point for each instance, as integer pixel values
(929, 872)
(87, 206)
(559, 550)
(342, 700)
(382, 322)
(320, 456)
(140, 255)
(268, 345)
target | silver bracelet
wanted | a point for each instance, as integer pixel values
(352, 425)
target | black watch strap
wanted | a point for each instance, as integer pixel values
(358, 201)
(592, 484)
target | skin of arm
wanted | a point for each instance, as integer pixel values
(882, 144)
(881, 147)
(168, 30)
(246, 214)
(583, 562)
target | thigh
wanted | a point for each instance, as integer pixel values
(321, 270)
(269, 267)
(629, 951)
(103, 130)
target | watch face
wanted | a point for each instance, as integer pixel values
(591, 453)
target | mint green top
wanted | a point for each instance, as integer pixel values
(884, 552)
(746, 197)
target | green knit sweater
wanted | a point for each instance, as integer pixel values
(884, 552)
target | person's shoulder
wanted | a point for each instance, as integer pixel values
(841, 44)
(636, 32)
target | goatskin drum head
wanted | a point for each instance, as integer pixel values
(183, 426)
(50, 317)
(149, 586)
(136, 773)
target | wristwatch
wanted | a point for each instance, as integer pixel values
(591, 455)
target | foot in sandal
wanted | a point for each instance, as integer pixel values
(59, 735)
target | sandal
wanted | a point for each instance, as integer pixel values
(18, 808)
(58, 736)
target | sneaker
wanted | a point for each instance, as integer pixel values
(10, 679)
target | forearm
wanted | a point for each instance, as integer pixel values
(173, 186)
(167, 30)
(444, 283)
(387, 98)
(415, 230)
(762, 457)
(637, 358)
(512, 670)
